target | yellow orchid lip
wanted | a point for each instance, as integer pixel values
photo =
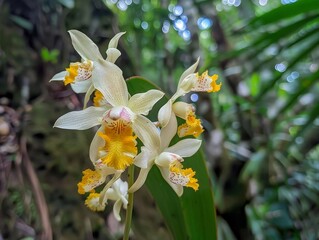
(206, 83)
(92, 202)
(78, 72)
(193, 126)
(90, 180)
(184, 177)
(120, 144)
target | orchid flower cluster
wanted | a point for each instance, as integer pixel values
(122, 119)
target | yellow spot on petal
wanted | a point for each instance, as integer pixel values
(78, 72)
(90, 180)
(120, 145)
(93, 202)
(206, 83)
(99, 100)
(193, 126)
(184, 177)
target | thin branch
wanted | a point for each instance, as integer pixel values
(38, 193)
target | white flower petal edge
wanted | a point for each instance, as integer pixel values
(103, 194)
(147, 132)
(108, 79)
(185, 147)
(80, 120)
(114, 41)
(88, 93)
(81, 87)
(59, 76)
(142, 103)
(142, 159)
(168, 132)
(164, 113)
(118, 193)
(177, 188)
(112, 54)
(116, 209)
(96, 143)
(188, 71)
(140, 179)
(85, 47)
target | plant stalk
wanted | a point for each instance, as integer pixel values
(129, 210)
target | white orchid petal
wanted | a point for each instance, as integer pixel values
(81, 87)
(88, 95)
(177, 188)
(103, 195)
(182, 108)
(123, 187)
(80, 120)
(140, 179)
(59, 76)
(112, 54)
(164, 113)
(96, 143)
(114, 41)
(185, 147)
(143, 159)
(188, 71)
(142, 103)
(111, 194)
(168, 132)
(116, 209)
(86, 48)
(164, 159)
(146, 132)
(108, 79)
(185, 86)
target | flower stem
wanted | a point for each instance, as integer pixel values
(129, 210)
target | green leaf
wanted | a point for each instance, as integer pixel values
(191, 216)
(254, 166)
(22, 22)
(283, 12)
(264, 40)
(294, 60)
(306, 84)
(254, 83)
(278, 215)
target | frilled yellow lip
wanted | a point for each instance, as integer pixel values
(193, 126)
(93, 202)
(206, 83)
(184, 177)
(120, 144)
(78, 72)
(90, 180)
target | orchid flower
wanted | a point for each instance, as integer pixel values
(120, 118)
(168, 160)
(189, 81)
(79, 74)
(118, 193)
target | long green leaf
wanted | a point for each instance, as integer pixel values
(264, 40)
(283, 12)
(306, 84)
(191, 216)
(286, 46)
(296, 59)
